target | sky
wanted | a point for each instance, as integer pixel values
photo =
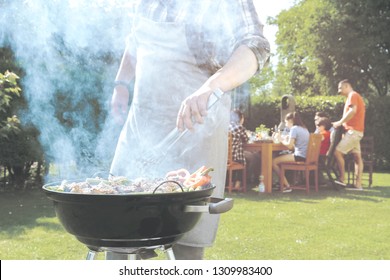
(271, 9)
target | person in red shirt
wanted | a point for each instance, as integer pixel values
(353, 122)
(323, 126)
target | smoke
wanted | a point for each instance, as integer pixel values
(69, 51)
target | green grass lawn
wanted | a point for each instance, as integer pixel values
(329, 224)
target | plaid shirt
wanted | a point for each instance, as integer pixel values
(214, 28)
(239, 137)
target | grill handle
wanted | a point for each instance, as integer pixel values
(215, 206)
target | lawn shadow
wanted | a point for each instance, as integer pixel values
(373, 194)
(23, 210)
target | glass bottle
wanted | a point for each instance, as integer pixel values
(261, 184)
(275, 135)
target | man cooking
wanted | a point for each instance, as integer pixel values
(179, 53)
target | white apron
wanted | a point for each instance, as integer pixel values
(166, 73)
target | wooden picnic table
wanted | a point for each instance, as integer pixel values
(265, 148)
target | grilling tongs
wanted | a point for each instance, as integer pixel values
(157, 153)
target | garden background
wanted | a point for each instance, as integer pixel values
(58, 61)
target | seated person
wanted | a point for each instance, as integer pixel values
(298, 140)
(319, 115)
(250, 159)
(284, 134)
(323, 126)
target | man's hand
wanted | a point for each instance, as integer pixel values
(346, 116)
(337, 124)
(119, 103)
(193, 109)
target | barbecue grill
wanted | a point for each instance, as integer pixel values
(133, 223)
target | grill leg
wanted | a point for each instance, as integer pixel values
(169, 254)
(91, 255)
(143, 253)
(116, 256)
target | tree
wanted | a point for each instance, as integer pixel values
(8, 90)
(70, 52)
(354, 43)
(19, 144)
(297, 71)
(261, 83)
(323, 41)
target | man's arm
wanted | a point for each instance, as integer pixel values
(241, 66)
(346, 117)
(120, 97)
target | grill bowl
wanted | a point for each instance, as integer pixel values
(127, 220)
